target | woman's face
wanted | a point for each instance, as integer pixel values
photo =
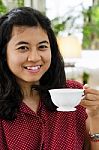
(28, 53)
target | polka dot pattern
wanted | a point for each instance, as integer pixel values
(45, 130)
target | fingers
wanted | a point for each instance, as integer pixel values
(90, 101)
(86, 86)
(91, 97)
(90, 90)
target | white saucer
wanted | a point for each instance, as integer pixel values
(65, 109)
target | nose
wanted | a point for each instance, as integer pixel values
(34, 55)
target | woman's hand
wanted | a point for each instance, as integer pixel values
(91, 101)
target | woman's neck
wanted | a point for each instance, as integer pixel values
(31, 96)
(32, 100)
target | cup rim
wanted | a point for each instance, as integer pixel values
(63, 90)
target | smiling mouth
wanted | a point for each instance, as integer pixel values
(33, 68)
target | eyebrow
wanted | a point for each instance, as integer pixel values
(44, 42)
(23, 42)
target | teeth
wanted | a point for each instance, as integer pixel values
(33, 68)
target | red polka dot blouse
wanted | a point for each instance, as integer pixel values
(44, 130)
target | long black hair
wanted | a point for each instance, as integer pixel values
(10, 92)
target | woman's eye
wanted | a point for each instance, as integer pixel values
(43, 47)
(23, 48)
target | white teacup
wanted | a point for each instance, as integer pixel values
(66, 99)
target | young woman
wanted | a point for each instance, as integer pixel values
(30, 65)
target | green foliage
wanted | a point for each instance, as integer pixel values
(91, 26)
(20, 3)
(85, 77)
(64, 23)
(58, 25)
(3, 8)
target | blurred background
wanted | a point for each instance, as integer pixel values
(76, 26)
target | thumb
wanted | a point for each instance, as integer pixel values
(86, 86)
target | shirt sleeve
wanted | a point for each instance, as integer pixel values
(3, 145)
(74, 84)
